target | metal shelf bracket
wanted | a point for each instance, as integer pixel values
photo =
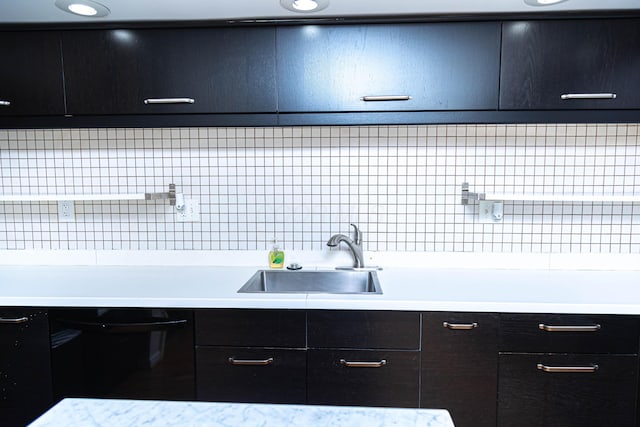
(468, 196)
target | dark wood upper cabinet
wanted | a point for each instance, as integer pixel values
(544, 60)
(327, 68)
(156, 71)
(31, 74)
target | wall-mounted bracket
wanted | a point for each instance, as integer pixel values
(490, 211)
(468, 196)
(171, 195)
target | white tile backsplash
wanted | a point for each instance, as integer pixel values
(400, 184)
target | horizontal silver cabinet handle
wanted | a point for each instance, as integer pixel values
(169, 101)
(567, 369)
(588, 96)
(7, 321)
(5, 103)
(261, 362)
(558, 328)
(460, 326)
(353, 364)
(386, 98)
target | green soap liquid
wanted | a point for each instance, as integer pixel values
(276, 259)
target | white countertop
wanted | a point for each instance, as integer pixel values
(428, 289)
(135, 413)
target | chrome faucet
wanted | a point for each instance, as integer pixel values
(355, 245)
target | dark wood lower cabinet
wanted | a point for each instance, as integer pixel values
(289, 356)
(364, 377)
(25, 367)
(459, 366)
(534, 391)
(471, 364)
(254, 375)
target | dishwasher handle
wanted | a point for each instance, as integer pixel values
(124, 327)
(13, 320)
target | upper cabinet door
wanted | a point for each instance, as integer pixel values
(31, 74)
(219, 70)
(580, 64)
(404, 67)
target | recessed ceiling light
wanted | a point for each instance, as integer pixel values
(304, 6)
(543, 2)
(86, 8)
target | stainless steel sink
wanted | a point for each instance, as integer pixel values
(328, 282)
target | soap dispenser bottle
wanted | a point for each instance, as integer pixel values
(276, 256)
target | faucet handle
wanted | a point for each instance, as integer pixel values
(358, 235)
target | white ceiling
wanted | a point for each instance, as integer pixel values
(44, 11)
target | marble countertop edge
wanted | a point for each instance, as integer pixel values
(75, 412)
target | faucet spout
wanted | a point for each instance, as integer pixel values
(354, 245)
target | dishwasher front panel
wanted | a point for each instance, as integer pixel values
(122, 353)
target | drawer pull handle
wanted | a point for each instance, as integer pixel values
(588, 96)
(17, 320)
(239, 362)
(352, 364)
(169, 101)
(556, 328)
(570, 369)
(386, 98)
(460, 326)
(5, 103)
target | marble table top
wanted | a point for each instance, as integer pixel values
(150, 413)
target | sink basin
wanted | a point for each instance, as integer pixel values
(328, 282)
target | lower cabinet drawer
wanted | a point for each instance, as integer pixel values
(251, 328)
(364, 377)
(569, 333)
(360, 329)
(567, 390)
(235, 374)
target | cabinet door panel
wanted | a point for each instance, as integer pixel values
(25, 365)
(256, 375)
(539, 333)
(542, 60)
(255, 328)
(223, 70)
(31, 74)
(460, 366)
(530, 397)
(439, 66)
(363, 329)
(392, 383)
